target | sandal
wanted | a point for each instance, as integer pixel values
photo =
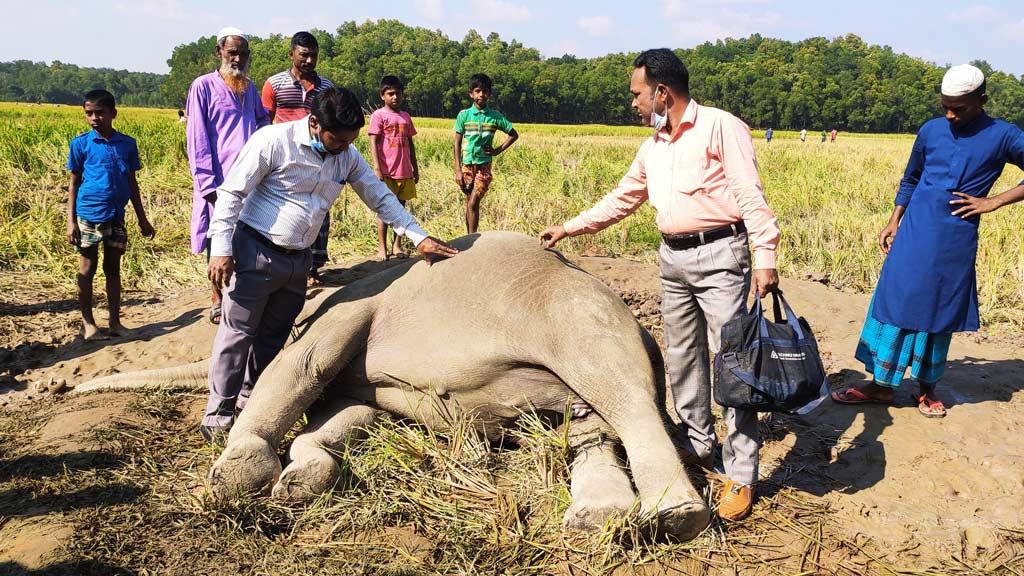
(930, 408)
(857, 396)
(215, 314)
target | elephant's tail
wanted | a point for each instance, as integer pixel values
(187, 377)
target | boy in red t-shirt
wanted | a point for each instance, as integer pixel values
(394, 155)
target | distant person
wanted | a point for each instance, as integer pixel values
(223, 109)
(803, 135)
(394, 156)
(927, 289)
(288, 96)
(474, 137)
(102, 163)
(181, 116)
(699, 172)
(768, 134)
(833, 135)
(824, 136)
(271, 204)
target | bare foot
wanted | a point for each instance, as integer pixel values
(117, 330)
(92, 332)
(382, 256)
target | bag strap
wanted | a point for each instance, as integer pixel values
(791, 317)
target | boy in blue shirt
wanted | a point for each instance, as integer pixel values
(103, 163)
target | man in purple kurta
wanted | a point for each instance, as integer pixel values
(224, 109)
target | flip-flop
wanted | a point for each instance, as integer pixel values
(215, 314)
(927, 407)
(855, 396)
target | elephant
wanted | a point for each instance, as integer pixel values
(504, 327)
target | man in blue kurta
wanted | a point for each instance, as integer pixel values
(927, 289)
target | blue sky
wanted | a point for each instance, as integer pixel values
(140, 34)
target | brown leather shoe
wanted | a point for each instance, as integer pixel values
(736, 502)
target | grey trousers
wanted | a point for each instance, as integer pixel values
(260, 305)
(702, 288)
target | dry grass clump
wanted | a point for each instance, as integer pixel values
(412, 501)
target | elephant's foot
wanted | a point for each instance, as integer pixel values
(683, 522)
(593, 513)
(248, 465)
(600, 488)
(303, 480)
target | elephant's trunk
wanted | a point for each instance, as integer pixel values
(187, 377)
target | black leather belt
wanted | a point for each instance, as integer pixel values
(259, 237)
(687, 241)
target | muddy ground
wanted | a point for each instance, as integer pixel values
(920, 492)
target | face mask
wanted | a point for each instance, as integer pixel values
(318, 146)
(658, 121)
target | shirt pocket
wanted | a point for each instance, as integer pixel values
(688, 171)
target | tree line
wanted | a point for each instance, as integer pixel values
(817, 83)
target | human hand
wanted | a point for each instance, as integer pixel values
(146, 229)
(416, 176)
(887, 236)
(220, 270)
(433, 249)
(74, 233)
(552, 234)
(764, 281)
(490, 150)
(972, 206)
(459, 180)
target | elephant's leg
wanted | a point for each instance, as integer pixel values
(599, 484)
(624, 393)
(313, 468)
(288, 386)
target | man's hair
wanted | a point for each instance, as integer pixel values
(306, 40)
(100, 97)
(390, 82)
(662, 66)
(480, 81)
(336, 109)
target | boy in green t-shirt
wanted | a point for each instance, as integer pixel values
(474, 134)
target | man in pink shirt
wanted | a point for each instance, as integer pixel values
(699, 172)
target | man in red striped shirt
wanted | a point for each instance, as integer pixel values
(289, 96)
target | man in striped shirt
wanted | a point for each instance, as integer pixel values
(268, 211)
(288, 96)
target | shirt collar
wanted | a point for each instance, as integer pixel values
(297, 80)
(97, 137)
(687, 121)
(300, 132)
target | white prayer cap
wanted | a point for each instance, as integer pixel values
(961, 80)
(230, 31)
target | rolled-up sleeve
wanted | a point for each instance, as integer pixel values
(740, 165)
(252, 164)
(629, 195)
(377, 197)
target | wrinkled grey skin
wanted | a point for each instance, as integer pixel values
(502, 328)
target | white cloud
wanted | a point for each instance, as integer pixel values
(978, 13)
(595, 25)
(500, 11)
(432, 10)
(704, 20)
